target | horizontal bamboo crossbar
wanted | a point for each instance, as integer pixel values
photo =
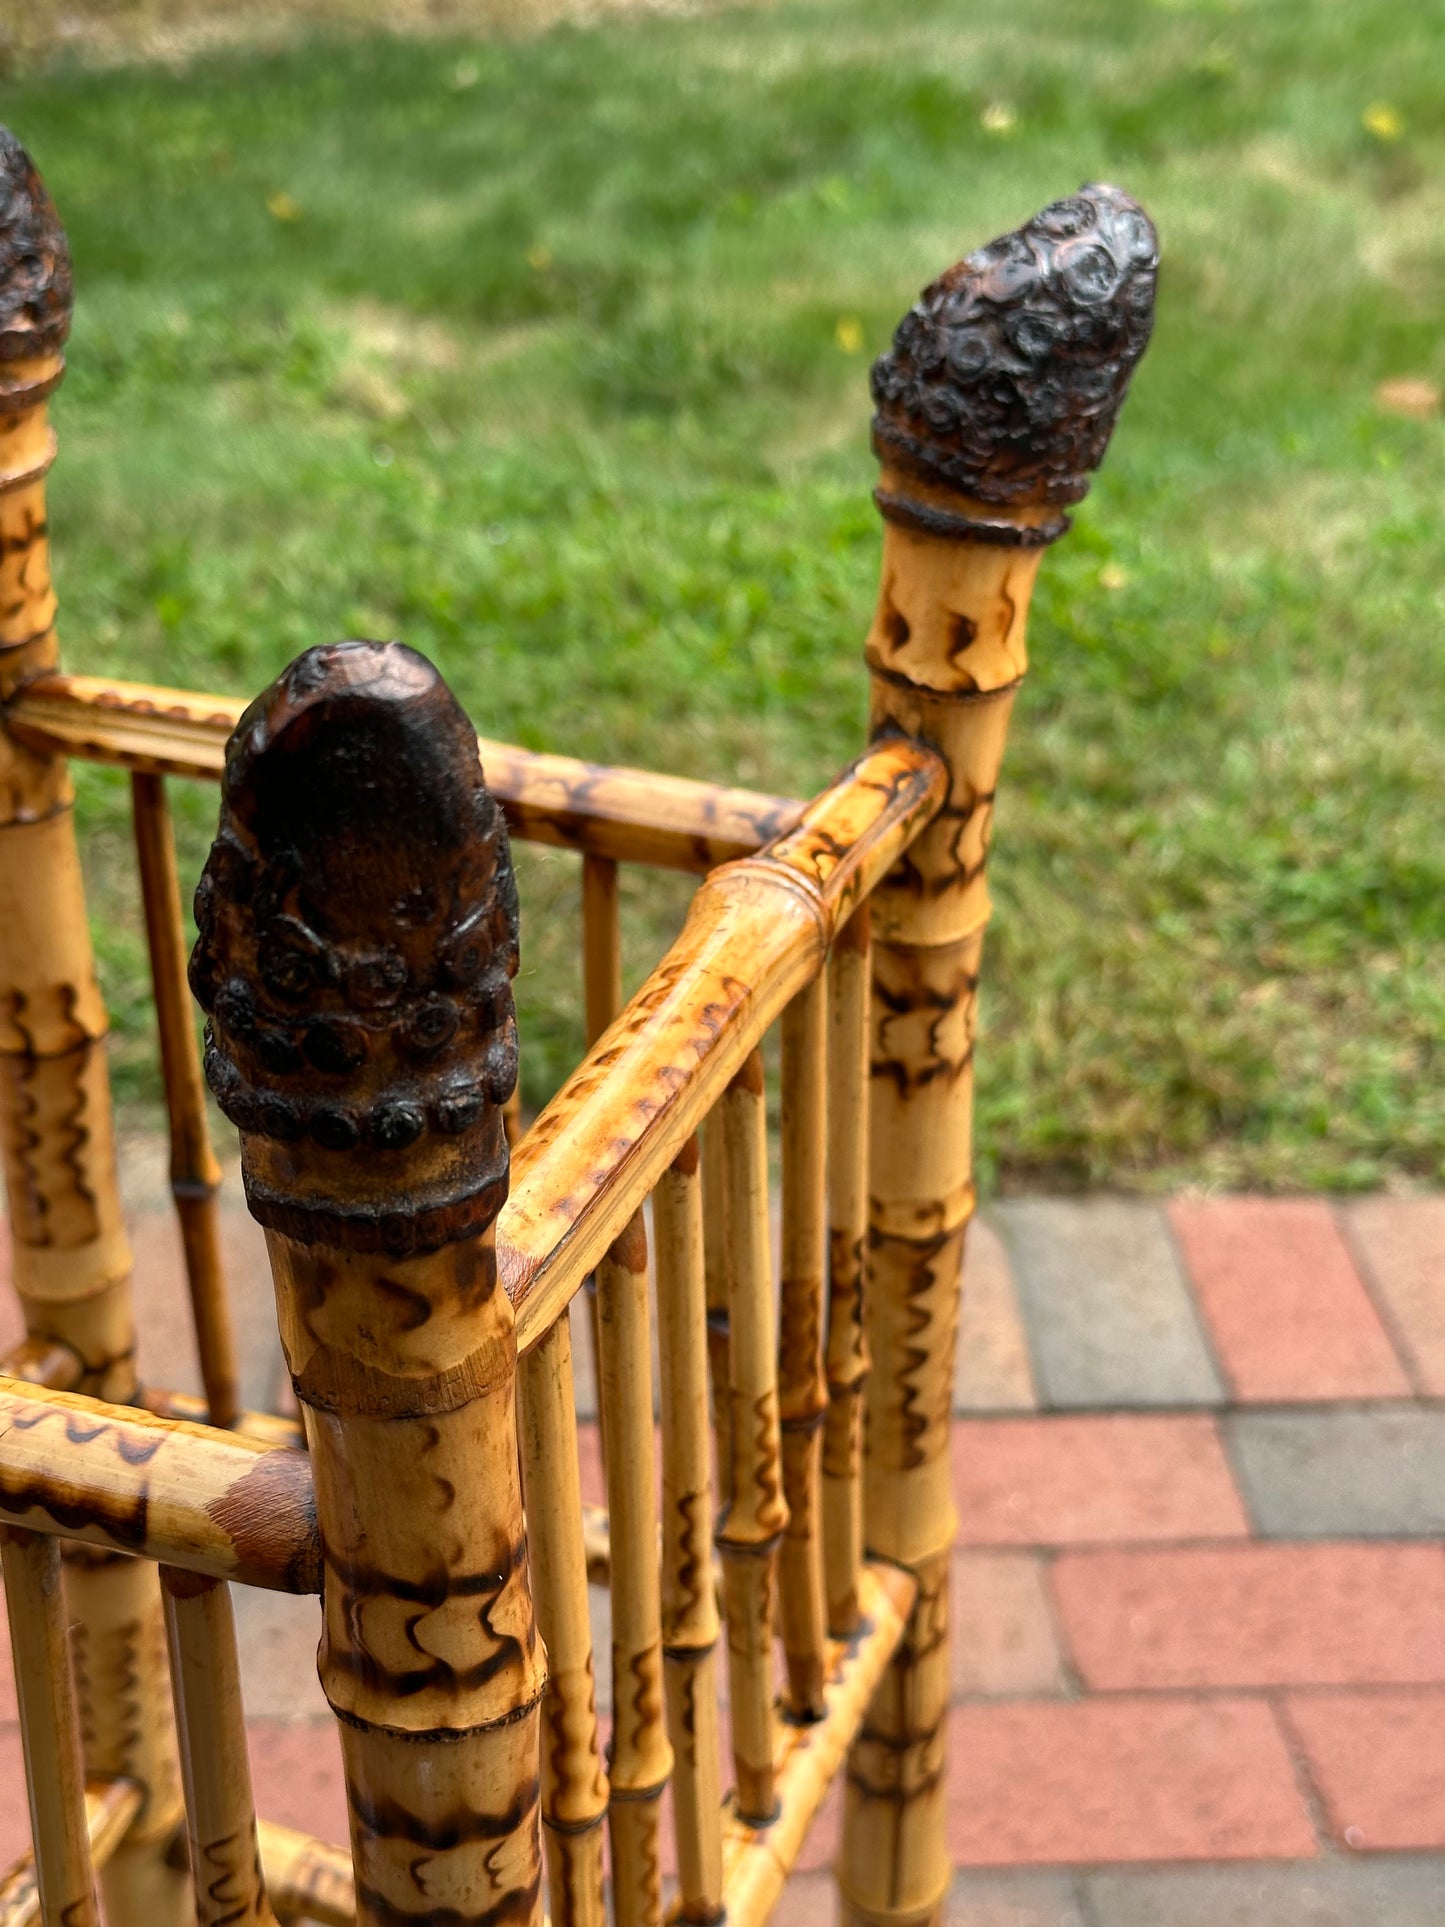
(629, 815)
(110, 1807)
(184, 1495)
(306, 1878)
(757, 931)
(757, 1860)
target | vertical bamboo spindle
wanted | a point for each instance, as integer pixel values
(641, 1758)
(220, 1816)
(849, 970)
(753, 1524)
(574, 1785)
(358, 933)
(602, 999)
(715, 1284)
(802, 1388)
(71, 1259)
(195, 1174)
(689, 1595)
(996, 400)
(45, 1689)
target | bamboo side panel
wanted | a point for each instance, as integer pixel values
(802, 1387)
(195, 1174)
(306, 1878)
(847, 1361)
(756, 933)
(641, 1756)
(49, 1730)
(618, 814)
(715, 1290)
(115, 1478)
(689, 1595)
(226, 1873)
(602, 999)
(574, 1782)
(110, 1808)
(753, 1524)
(757, 1861)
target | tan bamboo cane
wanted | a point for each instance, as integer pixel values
(225, 1855)
(756, 932)
(110, 1808)
(715, 1290)
(118, 1479)
(849, 971)
(45, 1692)
(995, 401)
(358, 923)
(622, 815)
(752, 1525)
(195, 1174)
(574, 1784)
(602, 998)
(802, 1388)
(689, 1594)
(306, 1879)
(71, 1259)
(641, 1758)
(44, 1363)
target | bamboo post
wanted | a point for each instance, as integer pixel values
(849, 969)
(802, 1387)
(195, 1174)
(641, 1758)
(602, 999)
(715, 1289)
(45, 1690)
(574, 1784)
(995, 401)
(358, 934)
(756, 1515)
(72, 1261)
(220, 1814)
(689, 1594)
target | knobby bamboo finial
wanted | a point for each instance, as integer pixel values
(1006, 377)
(35, 279)
(358, 936)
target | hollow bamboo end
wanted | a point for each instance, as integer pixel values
(35, 277)
(1006, 377)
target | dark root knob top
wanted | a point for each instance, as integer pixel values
(358, 937)
(35, 284)
(1004, 381)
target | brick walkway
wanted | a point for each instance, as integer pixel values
(1199, 1590)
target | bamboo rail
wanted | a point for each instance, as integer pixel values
(611, 812)
(366, 1057)
(849, 971)
(995, 401)
(195, 1174)
(71, 1259)
(574, 1783)
(225, 1855)
(307, 1879)
(113, 1477)
(49, 1729)
(689, 1593)
(756, 933)
(110, 1808)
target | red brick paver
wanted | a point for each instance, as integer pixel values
(1401, 1246)
(296, 1775)
(1280, 1294)
(1114, 1477)
(1059, 1782)
(1254, 1615)
(1378, 1760)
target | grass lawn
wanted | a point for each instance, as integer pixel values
(550, 355)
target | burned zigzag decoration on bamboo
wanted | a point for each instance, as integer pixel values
(358, 936)
(1005, 379)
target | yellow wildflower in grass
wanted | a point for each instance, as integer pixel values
(539, 257)
(999, 117)
(281, 207)
(1383, 121)
(849, 334)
